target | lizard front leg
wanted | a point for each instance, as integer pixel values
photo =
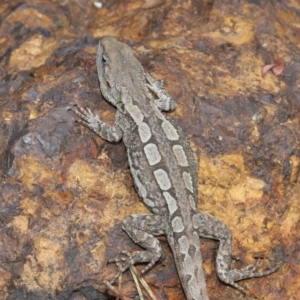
(165, 101)
(142, 229)
(209, 227)
(110, 133)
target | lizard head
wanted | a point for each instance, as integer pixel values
(118, 69)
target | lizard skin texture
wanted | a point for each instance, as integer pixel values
(164, 172)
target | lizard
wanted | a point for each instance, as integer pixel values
(164, 173)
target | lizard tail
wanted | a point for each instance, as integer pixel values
(185, 246)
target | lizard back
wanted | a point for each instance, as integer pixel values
(164, 173)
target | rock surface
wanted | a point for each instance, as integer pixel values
(64, 191)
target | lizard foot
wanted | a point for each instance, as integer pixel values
(244, 273)
(89, 119)
(130, 259)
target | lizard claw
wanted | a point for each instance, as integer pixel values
(88, 118)
(84, 113)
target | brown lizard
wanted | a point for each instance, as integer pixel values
(164, 172)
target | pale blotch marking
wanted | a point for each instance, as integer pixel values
(187, 179)
(149, 202)
(171, 202)
(135, 113)
(170, 131)
(195, 221)
(192, 202)
(152, 154)
(184, 245)
(144, 132)
(162, 179)
(177, 225)
(180, 155)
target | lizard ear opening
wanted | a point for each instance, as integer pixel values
(104, 58)
(108, 84)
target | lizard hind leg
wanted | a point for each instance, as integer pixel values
(212, 228)
(141, 229)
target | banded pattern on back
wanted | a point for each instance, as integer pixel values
(169, 159)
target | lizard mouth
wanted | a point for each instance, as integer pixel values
(101, 61)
